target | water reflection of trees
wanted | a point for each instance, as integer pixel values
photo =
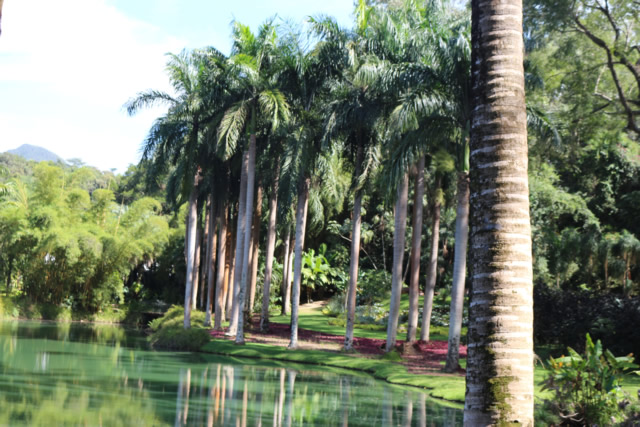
(246, 396)
(68, 375)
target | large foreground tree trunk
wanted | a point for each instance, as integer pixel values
(248, 219)
(500, 351)
(271, 245)
(212, 243)
(416, 248)
(459, 274)
(286, 273)
(221, 297)
(433, 268)
(398, 255)
(239, 248)
(301, 223)
(355, 254)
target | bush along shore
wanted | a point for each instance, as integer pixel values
(138, 314)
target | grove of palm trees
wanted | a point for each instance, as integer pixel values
(438, 178)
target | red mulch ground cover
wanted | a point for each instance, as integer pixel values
(420, 357)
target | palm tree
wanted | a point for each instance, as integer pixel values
(355, 112)
(220, 295)
(257, 97)
(304, 75)
(398, 255)
(416, 243)
(178, 137)
(271, 244)
(406, 37)
(500, 353)
(443, 163)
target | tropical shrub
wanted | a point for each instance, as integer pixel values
(169, 333)
(587, 387)
(373, 285)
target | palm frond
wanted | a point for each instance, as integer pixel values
(231, 127)
(148, 99)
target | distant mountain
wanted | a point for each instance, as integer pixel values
(33, 152)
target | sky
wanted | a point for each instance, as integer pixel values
(68, 66)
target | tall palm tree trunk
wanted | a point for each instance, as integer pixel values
(398, 254)
(416, 243)
(255, 251)
(207, 249)
(271, 245)
(433, 267)
(212, 243)
(286, 273)
(236, 309)
(290, 274)
(459, 273)
(248, 219)
(301, 223)
(355, 254)
(221, 269)
(231, 265)
(500, 353)
(196, 262)
(191, 249)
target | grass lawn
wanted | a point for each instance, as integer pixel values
(314, 320)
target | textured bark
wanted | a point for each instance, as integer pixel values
(416, 248)
(221, 269)
(355, 255)
(236, 310)
(459, 273)
(248, 219)
(301, 223)
(286, 274)
(433, 268)
(255, 250)
(191, 248)
(500, 351)
(212, 251)
(271, 245)
(400, 221)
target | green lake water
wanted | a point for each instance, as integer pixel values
(73, 374)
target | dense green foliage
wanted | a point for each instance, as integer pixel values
(69, 240)
(587, 388)
(169, 334)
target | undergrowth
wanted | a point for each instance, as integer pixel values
(169, 333)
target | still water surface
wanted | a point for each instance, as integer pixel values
(74, 374)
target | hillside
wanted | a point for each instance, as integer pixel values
(33, 152)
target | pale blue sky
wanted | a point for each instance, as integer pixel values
(67, 67)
